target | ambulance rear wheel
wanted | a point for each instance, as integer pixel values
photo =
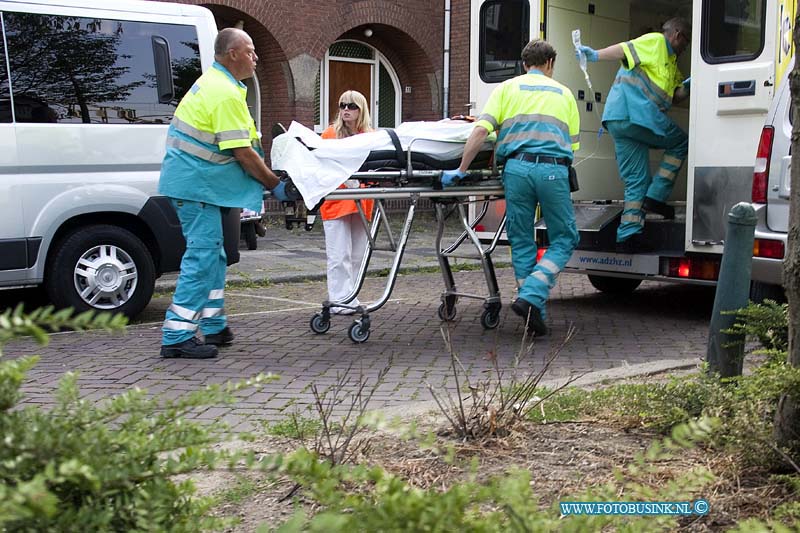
(319, 324)
(614, 285)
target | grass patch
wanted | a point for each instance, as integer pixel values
(294, 427)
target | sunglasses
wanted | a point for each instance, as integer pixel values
(351, 106)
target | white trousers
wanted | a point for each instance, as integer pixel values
(345, 243)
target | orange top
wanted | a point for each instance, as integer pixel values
(332, 209)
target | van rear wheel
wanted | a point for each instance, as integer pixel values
(101, 268)
(614, 285)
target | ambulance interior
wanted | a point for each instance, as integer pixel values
(604, 23)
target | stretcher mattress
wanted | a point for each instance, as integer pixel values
(319, 166)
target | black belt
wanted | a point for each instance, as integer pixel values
(534, 158)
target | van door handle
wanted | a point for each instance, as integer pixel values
(729, 89)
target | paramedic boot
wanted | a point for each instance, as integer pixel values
(659, 208)
(222, 338)
(189, 349)
(531, 315)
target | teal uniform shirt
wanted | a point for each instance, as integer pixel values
(210, 121)
(645, 84)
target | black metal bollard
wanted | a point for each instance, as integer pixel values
(725, 353)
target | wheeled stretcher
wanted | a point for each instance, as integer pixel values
(384, 178)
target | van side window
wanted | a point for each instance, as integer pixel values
(733, 30)
(504, 31)
(73, 70)
(5, 94)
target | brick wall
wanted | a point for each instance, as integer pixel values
(409, 33)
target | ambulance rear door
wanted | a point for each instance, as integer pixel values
(500, 29)
(734, 46)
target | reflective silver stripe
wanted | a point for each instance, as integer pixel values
(674, 161)
(666, 174)
(177, 325)
(634, 55)
(537, 117)
(210, 312)
(490, 119)
(536, 136)
(191, 131)
(632, 205)
(208, 137)
(636, 219)
(541, 276)
(232, 135)
(549, 266)
(183, 312)
(216, 294)
(651, 90)
(199, 151)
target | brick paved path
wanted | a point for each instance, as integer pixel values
(656, 322)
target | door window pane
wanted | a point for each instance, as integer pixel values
(386, 99)
(86, 70)
(5, 95)
(733, 30)
(504, 32)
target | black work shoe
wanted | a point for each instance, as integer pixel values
(635, 244)
(189, 349)
(222, 338)
(659, 208)
(532, 316)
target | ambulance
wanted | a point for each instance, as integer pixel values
(738, 54)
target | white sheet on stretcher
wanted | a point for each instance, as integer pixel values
(318, 172)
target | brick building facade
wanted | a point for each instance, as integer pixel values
(292, 39)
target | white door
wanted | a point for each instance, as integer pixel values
(733, 80)
(499, 31)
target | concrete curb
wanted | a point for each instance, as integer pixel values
(429, 407)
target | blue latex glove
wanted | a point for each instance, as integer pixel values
(589, 52)
(279, 192)
(452, 177)
(687, 82)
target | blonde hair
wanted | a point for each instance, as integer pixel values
(363, 123)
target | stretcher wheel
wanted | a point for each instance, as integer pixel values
(447, 312)
(358, 332)
(490, 318)
(319, 324)
(309, 227)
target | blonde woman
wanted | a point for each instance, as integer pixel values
(345, 234)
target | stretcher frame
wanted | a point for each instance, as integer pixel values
(480, 186)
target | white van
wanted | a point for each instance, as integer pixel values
(770, 196)
(87, 91)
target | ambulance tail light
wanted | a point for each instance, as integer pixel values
(693, 268)
(761, 168)
(768, 248)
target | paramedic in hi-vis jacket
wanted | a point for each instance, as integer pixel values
(214, 161)
(537, 125)
(646, 86)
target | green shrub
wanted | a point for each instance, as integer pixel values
(356, 498)
(108, 466)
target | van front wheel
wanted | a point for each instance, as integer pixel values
(101, 268)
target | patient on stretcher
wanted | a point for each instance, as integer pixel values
(319, 166)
